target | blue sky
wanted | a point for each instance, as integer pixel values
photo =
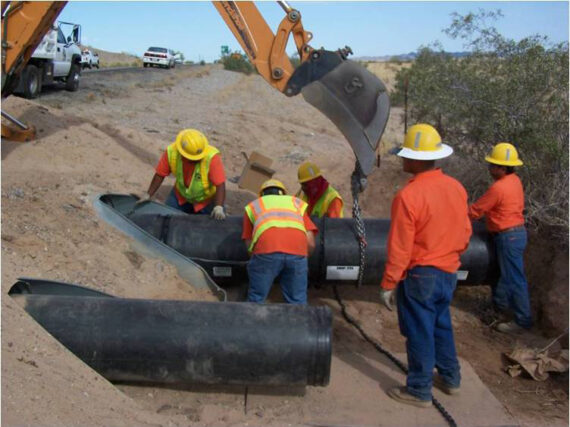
(369, 28)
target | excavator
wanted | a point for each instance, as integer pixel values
(354, 99)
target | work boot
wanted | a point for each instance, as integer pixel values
(440, 383)
(401, 395)
(509, 328)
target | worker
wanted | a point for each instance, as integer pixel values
(502, 205)
(322, 198)
(200, 178)
(279, 235)
(429, 230)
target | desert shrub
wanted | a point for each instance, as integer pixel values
(503, 91)
(202, 62)
(235, 61)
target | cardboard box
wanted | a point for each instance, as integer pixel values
(256, 171)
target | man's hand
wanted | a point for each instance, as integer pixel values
(218, 213)
(388, 297)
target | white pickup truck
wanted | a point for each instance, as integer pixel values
(89, 59)
(56, 59)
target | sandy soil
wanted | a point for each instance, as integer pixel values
(107, 137)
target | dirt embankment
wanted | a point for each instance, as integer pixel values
(107, 137)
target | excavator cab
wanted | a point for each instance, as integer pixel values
(353, 98)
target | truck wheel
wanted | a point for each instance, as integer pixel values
(145, 64)
(72, 82)
(32, 82)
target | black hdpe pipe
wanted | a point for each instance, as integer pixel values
(218, 248)
(184, 341)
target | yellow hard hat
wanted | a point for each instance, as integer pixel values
(422, 142)
(192, 144)
(308, 171)
(275, 183)
(504, 154)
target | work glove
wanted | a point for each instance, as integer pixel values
(218, 213)
(388, 297)
(141, 197)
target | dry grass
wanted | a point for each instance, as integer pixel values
(386, 71)
(115, 59)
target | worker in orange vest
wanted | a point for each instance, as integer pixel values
(502, 205)
(279, 236)
(322, 198)
(200, 178)
(429, 230)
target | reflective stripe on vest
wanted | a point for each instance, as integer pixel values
(322, 206)
(200, 188)
(275, 211)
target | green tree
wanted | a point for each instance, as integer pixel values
(503, 91)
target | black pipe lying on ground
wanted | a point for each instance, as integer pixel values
(184, 341)
(218, 248)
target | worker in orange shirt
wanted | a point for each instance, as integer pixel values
(429, 230)
(502, 205)
(279, 236)
(200, 178)
(322, 198)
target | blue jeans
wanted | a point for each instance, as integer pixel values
(264, 268)
(512, 289)
(423, 299)
(188, 208)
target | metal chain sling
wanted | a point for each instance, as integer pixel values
(357, 185)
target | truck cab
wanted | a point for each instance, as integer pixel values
(56, 59)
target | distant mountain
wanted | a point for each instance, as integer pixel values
(401, 57)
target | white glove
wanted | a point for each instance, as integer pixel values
(218, 213)
(388, 297)
(142, 197)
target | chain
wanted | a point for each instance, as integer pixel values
(386, 353)
(358, 183)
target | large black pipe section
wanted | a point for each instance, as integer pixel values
(218, 248)
(185, 341)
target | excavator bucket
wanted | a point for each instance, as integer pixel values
(353, 98)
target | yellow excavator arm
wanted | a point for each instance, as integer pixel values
(354, 99)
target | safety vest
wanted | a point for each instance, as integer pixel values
(322, 205)
(200, 188)
(275, 211)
